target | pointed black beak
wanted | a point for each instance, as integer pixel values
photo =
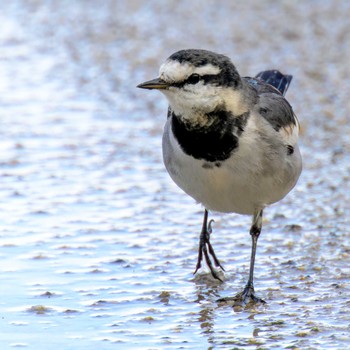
(157, 83)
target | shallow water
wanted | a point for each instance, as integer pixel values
(98, 245)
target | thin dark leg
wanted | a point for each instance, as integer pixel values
(248, 291)
(255, 231)
(205, 248)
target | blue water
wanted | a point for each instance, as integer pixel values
(97, 245)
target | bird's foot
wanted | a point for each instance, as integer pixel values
(247, 296)
(206, 249)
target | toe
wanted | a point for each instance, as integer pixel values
(247, 296)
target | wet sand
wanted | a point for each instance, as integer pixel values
(98, 245)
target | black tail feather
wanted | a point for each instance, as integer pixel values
(276, 79)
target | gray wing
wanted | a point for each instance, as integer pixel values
(276, 110)
(271, 103)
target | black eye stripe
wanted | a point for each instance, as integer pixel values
(209, 78)
(195, 78)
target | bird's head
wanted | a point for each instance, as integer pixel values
(198, 82)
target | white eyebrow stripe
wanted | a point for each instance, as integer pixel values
(174, 71)
(208, 69)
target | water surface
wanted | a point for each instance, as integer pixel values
(98, 245)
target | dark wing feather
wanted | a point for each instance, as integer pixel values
(275, 78)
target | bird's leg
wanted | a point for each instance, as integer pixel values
(205, 248)
(248, 292)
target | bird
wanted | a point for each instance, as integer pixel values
(230, 142)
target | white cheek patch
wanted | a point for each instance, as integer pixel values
(174, 71)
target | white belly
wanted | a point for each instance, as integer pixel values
(242, 184)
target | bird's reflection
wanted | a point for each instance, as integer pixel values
(208, 291)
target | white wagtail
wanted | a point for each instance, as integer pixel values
(230, 142)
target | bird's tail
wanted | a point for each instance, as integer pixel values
(276, 79)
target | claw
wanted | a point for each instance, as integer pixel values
(243, 298)
(206, 249)
(199, 259)
(247, 295)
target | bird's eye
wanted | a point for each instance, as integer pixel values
(193, 79)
